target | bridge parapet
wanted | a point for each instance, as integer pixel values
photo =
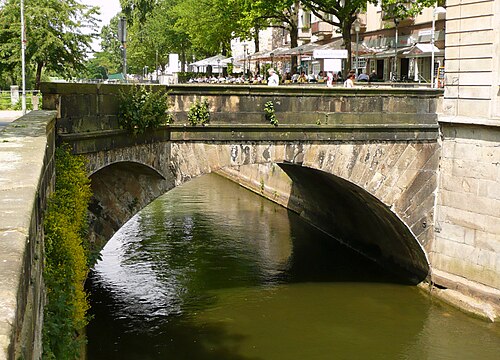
(237, 111)
(27, 177)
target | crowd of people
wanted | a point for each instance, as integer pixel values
(329, 78)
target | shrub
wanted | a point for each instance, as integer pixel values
(270, 114)
(198, 113)
(66, 264)
(142, 109)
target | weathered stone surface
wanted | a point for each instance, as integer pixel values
(468, 208)
(26, 178)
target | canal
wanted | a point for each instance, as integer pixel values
(213, 271)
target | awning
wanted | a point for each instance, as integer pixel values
(422, 50)
(391, 52)
(212, 61)
(269, 54)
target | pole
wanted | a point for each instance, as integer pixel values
(23, 61)
(122, 35)
(396, 22)
(432, 46)
(156, 65)
(357, 51)
(244, 58)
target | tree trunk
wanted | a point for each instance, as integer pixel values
(183, 60)
(294, 42)
(38, 77)
(256, 41)
(346, 36)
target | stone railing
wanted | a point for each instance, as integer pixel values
(26, 179)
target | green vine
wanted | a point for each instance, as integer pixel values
(270, 114)
(198, 113)
(66, 259)
(142, 108)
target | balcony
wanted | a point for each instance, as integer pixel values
(321, 28)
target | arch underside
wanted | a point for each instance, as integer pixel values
(376, 198)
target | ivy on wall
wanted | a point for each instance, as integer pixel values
(66, 260)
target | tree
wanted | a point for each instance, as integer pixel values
(150, 42)
(137, 10)
(58, 33)
(275, 13)
(210, 24)
(345, 13)
(110, 57)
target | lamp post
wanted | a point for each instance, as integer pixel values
(218, 67)
(395, 67)
(437, 10)
(357, 28)
(122, 35)
(244, 58)
(272, 59)
(23, 61)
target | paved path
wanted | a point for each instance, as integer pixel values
(7, 116)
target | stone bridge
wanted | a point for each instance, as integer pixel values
(361, 164)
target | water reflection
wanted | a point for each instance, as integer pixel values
(212, 271)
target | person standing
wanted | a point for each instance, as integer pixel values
(273, 79)
(329, 79)
(349, 83)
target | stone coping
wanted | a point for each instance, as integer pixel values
(223, 89)
(23, 146)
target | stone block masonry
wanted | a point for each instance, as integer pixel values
(26, 179)
(467, 242)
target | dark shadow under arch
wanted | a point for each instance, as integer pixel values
(357, 219)
(120, 190)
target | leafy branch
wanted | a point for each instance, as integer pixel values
(198, 113)
(270, 113)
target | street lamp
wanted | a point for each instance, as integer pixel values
(437, 10)
(244, 58)
(395, 67)
(357, 28)
(272, 59)
(218, 67)
(122, 35)
(23, 61)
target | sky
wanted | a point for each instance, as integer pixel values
(109, 8)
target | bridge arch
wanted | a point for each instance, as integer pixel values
(389, 185)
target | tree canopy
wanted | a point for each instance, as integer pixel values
(59, 45)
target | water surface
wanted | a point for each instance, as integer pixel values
(213, 271)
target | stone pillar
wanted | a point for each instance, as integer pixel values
(472, 62)
(35, 99)
(467, 242)
(14, 94)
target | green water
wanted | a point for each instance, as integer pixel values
(212, 271)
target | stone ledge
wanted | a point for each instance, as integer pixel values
(469, 120)
(24, 145)
(472, 297)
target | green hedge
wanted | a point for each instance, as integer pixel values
(66, 264)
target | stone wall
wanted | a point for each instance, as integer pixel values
(88, 108)
(26, 179)
(472, 63)
(467, 243)
(466, 251)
